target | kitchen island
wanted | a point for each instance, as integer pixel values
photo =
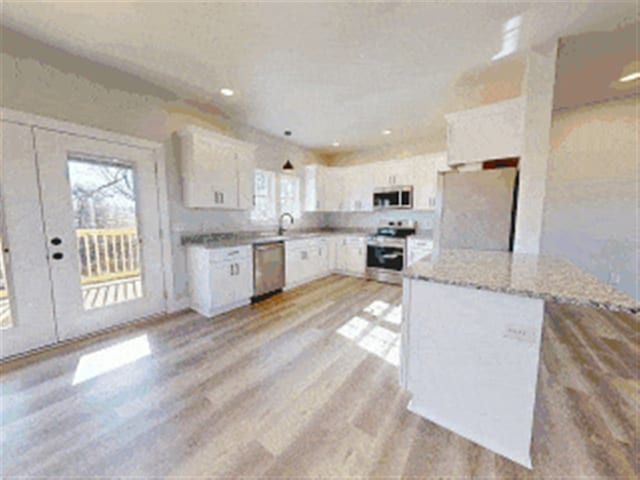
(471, 339)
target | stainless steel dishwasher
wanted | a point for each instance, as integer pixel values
(268, 268)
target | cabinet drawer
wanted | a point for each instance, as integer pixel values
(230, 253)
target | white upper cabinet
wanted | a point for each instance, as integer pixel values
(425, 179)
(358, 188)
(217, 171)
(350, 189)
(334, 190)
(314, 188)
(485, 133)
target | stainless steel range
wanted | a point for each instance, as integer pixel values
(386, 250)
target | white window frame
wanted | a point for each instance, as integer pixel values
(292, 204)
(270, 214)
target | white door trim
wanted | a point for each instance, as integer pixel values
(46, 123)
(33, 120)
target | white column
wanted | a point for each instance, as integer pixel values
(538, 92)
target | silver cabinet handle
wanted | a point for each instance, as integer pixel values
(231, 268)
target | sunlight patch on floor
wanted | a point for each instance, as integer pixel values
(108, 359)
(377, 308)
(394, 315)
(376, 339)
(353, 328)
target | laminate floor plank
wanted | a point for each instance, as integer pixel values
(305, 384)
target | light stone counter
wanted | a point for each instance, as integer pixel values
(532, 276)
(233, 239)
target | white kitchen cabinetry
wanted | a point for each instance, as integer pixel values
(418, 248)
(334, 190)
(397, 172)
(220, 279)
(358, 188)
(489, 132)
(314, 191)
(305, 260)
(425, 186)
(349, 254)
(217, 171)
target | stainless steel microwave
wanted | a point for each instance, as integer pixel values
(393, 197)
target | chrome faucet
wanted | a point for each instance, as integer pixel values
(281, 229)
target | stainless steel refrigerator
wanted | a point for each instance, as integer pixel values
(476, 210)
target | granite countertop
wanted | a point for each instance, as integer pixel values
(221, 240)
(534, 276)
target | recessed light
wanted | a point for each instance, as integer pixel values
(386, 132)
(227, 92)
(336, 144)
(630, 77)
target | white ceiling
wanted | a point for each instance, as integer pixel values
(327, 71)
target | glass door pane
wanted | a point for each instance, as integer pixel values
(103, 196)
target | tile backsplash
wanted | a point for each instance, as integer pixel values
(370, 220)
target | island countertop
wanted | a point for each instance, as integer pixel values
(534, 276)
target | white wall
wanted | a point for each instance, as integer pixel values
(592, 201)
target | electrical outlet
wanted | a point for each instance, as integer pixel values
(614, 278)
(522, 333)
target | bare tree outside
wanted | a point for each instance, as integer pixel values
(104, 204)
(103, 194)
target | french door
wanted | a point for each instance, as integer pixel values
(82, 250)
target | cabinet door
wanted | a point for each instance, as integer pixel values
(245, 173)
(243, 279)
(225, 182)
(314, 188)
(311, 200)
(334, 190)
(356, 256)
(424, 187)
(396, 172)
(209, 173)
(291, 267)
(222, 284)
(306, 264)
(323, 257)
(359, 190)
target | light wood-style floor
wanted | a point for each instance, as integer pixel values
(304, 385)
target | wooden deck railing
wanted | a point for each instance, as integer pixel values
(108, 253)
(105, 254)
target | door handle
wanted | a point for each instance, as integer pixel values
(56, 241)
(231, 269)
(58, 256)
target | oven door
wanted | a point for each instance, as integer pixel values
(385, 257)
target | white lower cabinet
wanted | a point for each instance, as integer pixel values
(220, 279)
(310, 259)
(305, 260)
(348, 254)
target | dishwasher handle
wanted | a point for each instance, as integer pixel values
(270, 246)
